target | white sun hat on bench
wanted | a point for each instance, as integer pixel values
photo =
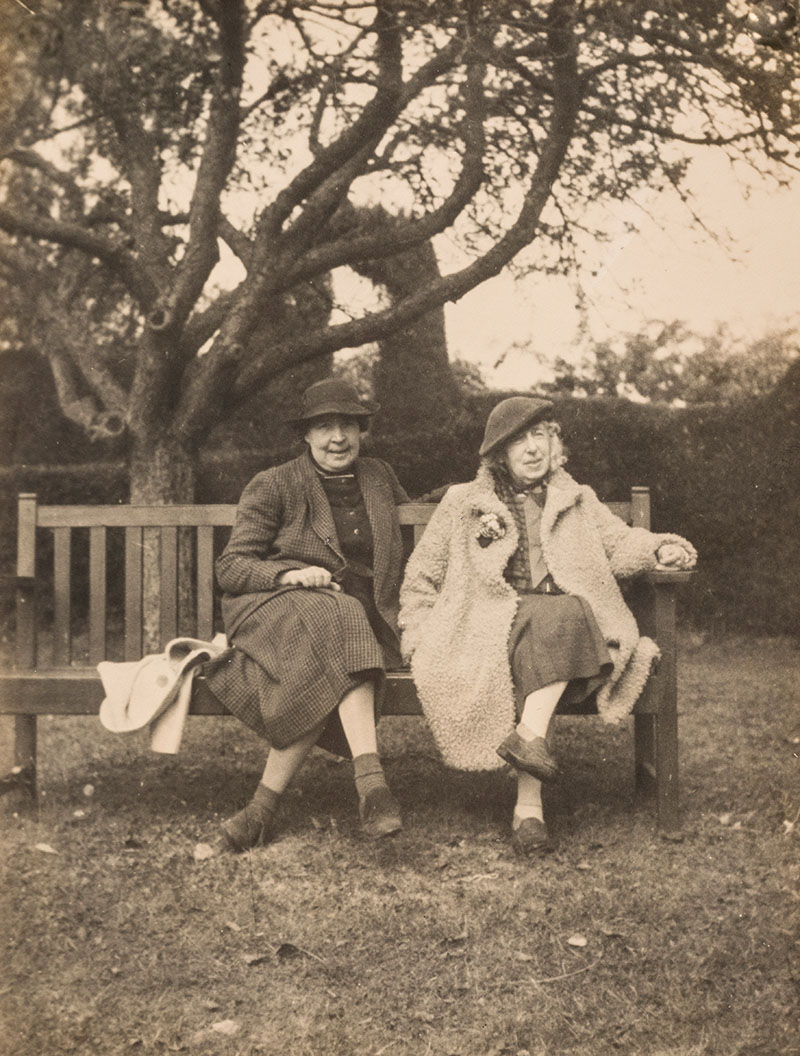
(155, 691)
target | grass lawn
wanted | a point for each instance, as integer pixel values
(118, 940)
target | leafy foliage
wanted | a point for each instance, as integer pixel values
(141, 136)
(678, 367)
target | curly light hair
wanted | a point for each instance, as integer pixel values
(496, 461)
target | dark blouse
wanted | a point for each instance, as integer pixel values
(355, 539)
(350, 517)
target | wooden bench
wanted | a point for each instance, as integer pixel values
(96, 611)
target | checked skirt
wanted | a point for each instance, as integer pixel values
(292, 662)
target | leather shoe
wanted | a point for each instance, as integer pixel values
(531, 756)
(247, 829)
(379, 813)
(531, 837)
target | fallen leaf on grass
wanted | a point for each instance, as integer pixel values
(458, 938)
(79, 813)
(202, 852)
(252, 959)
(520, 956)
(671, 836)
(584, 866)
(724, 819)
(45, 848)
(577, 940)
(211, 1006)
(288, 950)
(612, 933)
(226, 1026)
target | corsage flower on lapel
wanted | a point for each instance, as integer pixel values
(490, 527)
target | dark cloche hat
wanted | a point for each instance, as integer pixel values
(510, 416)
(332, 396)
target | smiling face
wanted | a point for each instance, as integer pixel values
(334, 441)
(528, 453)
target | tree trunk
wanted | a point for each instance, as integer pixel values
(413, 380)
(163, 472)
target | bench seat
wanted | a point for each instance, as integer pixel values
(71, 550)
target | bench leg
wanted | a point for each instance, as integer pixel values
(24, 774)
(667, 771)
(644, 748)
(656, 762)
(656, 726)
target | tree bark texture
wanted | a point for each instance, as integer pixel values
(161, 472)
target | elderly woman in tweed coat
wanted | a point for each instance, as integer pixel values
(510, 604)
(310, 578)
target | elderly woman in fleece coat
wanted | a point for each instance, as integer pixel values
(510, 604)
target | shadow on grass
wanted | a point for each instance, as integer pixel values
(439, 941)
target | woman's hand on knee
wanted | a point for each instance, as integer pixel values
(314, 576)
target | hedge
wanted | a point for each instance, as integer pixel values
(725, 476)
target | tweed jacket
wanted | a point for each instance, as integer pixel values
(284, 522)
(457, 608)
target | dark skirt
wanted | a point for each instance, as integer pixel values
(293, 661)
(555, 638)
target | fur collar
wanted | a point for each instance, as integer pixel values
(563, 491)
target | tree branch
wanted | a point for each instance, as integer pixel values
(79, 407)
(236, 240)
(31, 160)
(667, 132)
(217, 379)
(219, 153)
(394, 238)
(203, 325)
(72, 236)
(376, 116)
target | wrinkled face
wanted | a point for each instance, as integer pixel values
(334, 440)
(528, 453)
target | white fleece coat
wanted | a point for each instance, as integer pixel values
(456, 608)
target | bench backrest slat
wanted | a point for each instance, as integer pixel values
(169, 584)
(62, 589)
(134, 543)
(97, 593)
(205, 582)
(186, 543)
(124, 516)
(638, 510)
(25, 644)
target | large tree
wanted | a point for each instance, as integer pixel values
(142, 136)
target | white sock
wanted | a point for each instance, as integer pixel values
(529, 799)
(538, 710)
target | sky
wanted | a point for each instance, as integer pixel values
(743, 271)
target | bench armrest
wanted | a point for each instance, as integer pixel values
(659, 576)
